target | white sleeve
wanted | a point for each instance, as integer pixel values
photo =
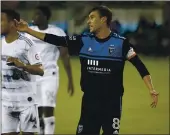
(58, 32)
(33, 56)
(62, 33)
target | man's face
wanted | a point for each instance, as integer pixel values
(95, 21)
(5, 24)
(38, 17)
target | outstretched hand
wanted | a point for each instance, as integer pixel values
(21, 25)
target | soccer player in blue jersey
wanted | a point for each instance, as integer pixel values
(102, 55)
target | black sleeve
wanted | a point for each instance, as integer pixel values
(128, 50)
(64, 41)
(143, 71)
(130, 54)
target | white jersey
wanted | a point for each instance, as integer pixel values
(20, 90)
(49, 53)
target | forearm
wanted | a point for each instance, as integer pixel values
(67, 66)
(143, 71)
(56, 40)
(36, 34)
(148, 81)
(49, 38)
(34, 69)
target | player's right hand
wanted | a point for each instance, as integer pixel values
(21, 25)
(70, 88)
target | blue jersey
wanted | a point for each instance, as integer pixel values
(102, 62)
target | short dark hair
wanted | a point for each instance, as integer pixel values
(11, 14)
(45, 10)
(104, 11)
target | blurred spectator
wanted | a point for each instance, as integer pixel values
(115, 26)
(145, 38)
(163, 47)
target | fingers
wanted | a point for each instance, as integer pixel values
(71, 91)
(16, 21)
(153, 105)
(155, 101)
(20, 22)
(10, 59)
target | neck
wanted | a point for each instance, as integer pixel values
(12, 36)
(43, 26)
(103, 33)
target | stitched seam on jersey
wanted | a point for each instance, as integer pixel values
(115, 35)
(27, 40)
(113, 59)
(101, 56)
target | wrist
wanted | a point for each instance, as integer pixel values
(24, 66)
(28, 30)
(152, 90)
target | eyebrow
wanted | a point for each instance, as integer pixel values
(91, 15)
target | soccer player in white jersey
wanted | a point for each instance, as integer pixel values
(49, 83)
(19, 61)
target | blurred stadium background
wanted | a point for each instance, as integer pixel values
(147, 24)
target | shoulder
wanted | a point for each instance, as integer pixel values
(115, 35)
(56, 30)
(27, 41)
(123, 39)
(53, 27)
(87, 35)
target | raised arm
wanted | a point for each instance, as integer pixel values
(64, 41)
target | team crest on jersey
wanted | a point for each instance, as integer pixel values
(80, 128)
(37, 57)
(111, 49)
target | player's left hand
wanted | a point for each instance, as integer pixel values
(16, 62)
(70, 88)
(21, 25)
(154, 96)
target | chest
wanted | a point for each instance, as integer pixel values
(101, 58)
(111, 48)
(17, 50)
(14, 50)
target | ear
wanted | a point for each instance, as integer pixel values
(103, 19)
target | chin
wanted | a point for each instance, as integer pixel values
(91, 30)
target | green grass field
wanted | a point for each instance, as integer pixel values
(137, 117)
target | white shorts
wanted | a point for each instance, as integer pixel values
(26, 120)
(47, 91)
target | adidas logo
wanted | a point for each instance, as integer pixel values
(90, 50)
(115, 132)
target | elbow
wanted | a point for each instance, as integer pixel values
(145, 75)
(40, 71)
